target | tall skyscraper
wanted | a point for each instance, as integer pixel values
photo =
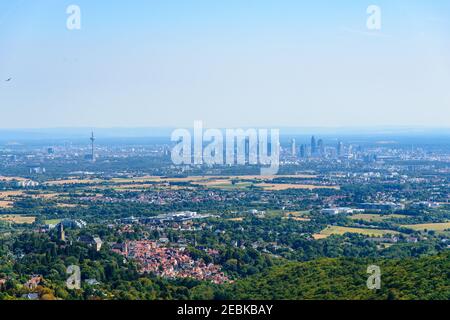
(247, 150)
(340, 148)
(320, 148)
(313, 146)
(302, 151)
(293, 148)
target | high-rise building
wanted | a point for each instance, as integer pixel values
(302, 151)
(313, 145)
(247, 150)
(293, 148)
(320, 147)
(350, 151)
(340, 148)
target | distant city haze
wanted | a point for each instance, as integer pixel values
(234, 63)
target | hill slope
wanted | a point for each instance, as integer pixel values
(423, 278)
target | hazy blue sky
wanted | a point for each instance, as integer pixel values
(226, 62)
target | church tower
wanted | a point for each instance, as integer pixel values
(61, 233)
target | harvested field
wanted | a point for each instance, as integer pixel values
(336, 230)
(18, 219)
(285, 186)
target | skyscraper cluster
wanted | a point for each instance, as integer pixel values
(317, 149)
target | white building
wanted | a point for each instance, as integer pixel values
(335, 211)
(27, 184)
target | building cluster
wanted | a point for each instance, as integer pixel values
(383, 206)
(179, 217)
(378, 207)
(36, 169)
(175, 218)
(340, 210)
(34, 281)
(66, 223)
(170, 262)
(318, 149)
(27, 184)
(162, 197)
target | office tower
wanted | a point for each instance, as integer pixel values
(293, 148)
(340, 148)
(350, 151)
(313, 146)
(320, 147)
(302, 151)
(247, 150)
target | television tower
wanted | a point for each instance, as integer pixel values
(92, 146)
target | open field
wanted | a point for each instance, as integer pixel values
(5, 195)
(133, 187)
(236, 219)
(73, 181)
(297, 214)
(429, 226)
(137, 184)
(46, 196)
(375, 217)
(69, 205)
(319, 236)
(299, 219)
(6, 204)
(220, 182)
(229, 186)
(52, 221)
(287, 186)
(223, 184)
(18, 219)
(9, 179)
(165, 179)
(331, 230)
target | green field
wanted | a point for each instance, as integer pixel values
(438, 227)
(376, 217)
(53, 221)
(229, 186)
(336, 230)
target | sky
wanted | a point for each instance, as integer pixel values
(228, 63)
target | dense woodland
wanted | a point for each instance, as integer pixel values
(333, 278)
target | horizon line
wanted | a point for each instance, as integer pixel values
(364, 127)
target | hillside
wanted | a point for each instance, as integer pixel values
(426, 278)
